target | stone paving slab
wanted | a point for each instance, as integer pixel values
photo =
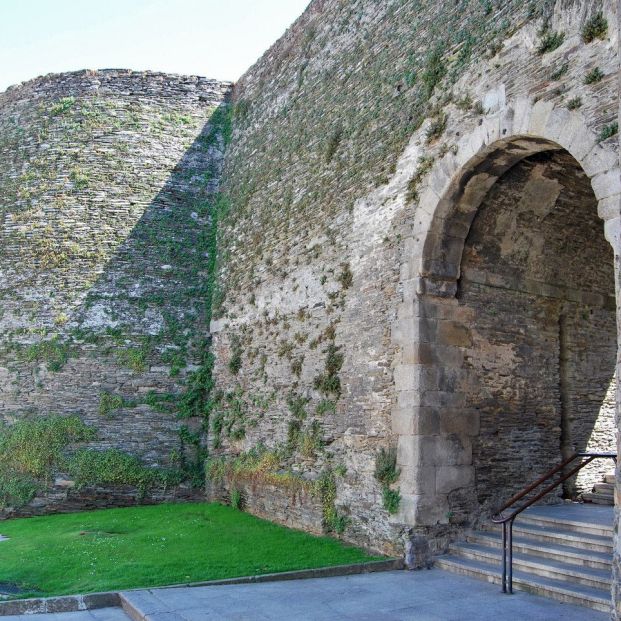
(575, 511)
(432, 595)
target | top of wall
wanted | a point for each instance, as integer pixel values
(144, 84)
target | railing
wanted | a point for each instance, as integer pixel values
(507, 520)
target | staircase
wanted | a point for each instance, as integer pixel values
(603, 493)
(563, 552)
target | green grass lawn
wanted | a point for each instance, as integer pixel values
(155, 545)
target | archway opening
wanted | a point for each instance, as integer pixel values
(536, 289)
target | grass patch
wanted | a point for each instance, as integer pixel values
(153, 546)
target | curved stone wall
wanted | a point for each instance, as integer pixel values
(106, 184)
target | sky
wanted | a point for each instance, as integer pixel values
(214, 38)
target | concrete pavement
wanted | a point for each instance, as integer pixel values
(424, 595)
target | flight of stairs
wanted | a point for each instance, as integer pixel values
(568, 559)
(603, 493)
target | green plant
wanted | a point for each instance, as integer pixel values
(595, 28)
(297, 405)
(79, 178)
(549, 41)
(17, 490)
(236, 499)
(435, 70)
(594, 76)
(574, 103)
(560, 72)
(62, 105)
(425, 164)
(607, 131)
(329, 382)
(109, 402)
(133, 358)
(387, 473)
(346, 277)
(386, 466)
(30, 451)
(235, 362)
(296, 366)
(391, 499)
(53, 352)
(465, 103)
(114, 467)
(325, 489)
(436, 128)
(333, 143)
(326, 406)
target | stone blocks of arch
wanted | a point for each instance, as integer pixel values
(429, 417)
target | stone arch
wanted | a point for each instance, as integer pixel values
(434, 446)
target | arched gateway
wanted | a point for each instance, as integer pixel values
(511, 231)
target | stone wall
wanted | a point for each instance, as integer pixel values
(347, 136)
(537, 282)
(106, 184)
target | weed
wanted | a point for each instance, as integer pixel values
(574, 103)
(424, 166)
(436, 128)
(333, 143)
(236, 498)
(235, 362)
(560, 72)
(346, 277)
(62, 105)
(608, 131)
(435, 70)
(79, 178)
(594, 76)
(391, 499)
(550, 41)
(326, 406)
(387, 473)
(595, 28)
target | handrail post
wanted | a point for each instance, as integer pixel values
(504, 557)
(510, 545)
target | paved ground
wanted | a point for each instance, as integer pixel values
(576, 512)
(391, 596)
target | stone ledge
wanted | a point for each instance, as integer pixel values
(64, 603)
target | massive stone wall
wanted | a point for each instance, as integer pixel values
(106, 183)
(344, 132)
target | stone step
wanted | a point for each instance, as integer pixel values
(604, 488)
(559, 590)
(599, 499)
(582, 557)
(559, 523)
(545, 568)
(610, 478)
(595, 543)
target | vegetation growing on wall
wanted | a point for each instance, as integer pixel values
(387, 473)
(33, 451)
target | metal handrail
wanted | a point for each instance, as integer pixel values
(507, 520)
